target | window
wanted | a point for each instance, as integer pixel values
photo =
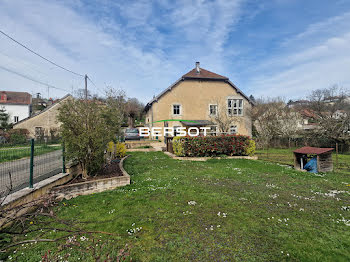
(213, 130)
(233, 130)
(235, 107)
(213, 110)
(176, 109)
(15, 119)
(39, 132)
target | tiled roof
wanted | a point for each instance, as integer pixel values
(312, 150)
(57, 101)
(19, 98)
(203, 74)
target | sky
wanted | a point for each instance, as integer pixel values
(284, 48)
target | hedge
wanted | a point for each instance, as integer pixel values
(231, 145)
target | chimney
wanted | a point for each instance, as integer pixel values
(198, 70)
(3, 97)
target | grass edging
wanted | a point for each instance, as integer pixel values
(207, 158)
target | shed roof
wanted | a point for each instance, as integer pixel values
(312, 150)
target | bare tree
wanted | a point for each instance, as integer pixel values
(288, 120)
(223, 119)
(134, 110)
(331, 113)
(272, 118)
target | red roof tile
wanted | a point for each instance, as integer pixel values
(312, 150)
(9, 97)
(205, 74)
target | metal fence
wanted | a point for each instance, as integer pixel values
(26, 164)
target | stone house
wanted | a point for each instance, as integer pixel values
(204, 97)
(43, 124)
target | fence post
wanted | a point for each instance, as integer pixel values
(31, 170)
(63, 158)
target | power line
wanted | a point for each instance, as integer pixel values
(31, 79)
(30, 50)
(94, 85)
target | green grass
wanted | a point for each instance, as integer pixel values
(143, 147)
(273, 213)
(10, 154)
(285, 156)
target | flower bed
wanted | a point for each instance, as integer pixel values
(230, 145)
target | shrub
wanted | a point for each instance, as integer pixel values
(18, 136)
(120, 150)
(110, 147)
(250, 149)
(231, 145)
(178, 146)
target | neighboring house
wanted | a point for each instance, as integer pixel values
(39, 103)
(43, 124)
(306, 122)
(16, 104)
(201, 95)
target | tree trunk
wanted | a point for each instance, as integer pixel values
(289, 142)
(336, 156)
(131, 122)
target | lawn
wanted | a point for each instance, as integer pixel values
(285, 156)
(18, 152)
(219, 210)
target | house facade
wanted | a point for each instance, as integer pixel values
(16, 104)
(43, 124)
(207, 99)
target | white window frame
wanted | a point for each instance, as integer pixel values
(235, 109)
(235, 127)
(16, 119)
(216, 111)
(173, 109)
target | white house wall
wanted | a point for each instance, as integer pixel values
(22, 111)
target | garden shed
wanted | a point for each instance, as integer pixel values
(323, 157)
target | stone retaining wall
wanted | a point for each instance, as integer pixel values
(94, 186)
(207, 158)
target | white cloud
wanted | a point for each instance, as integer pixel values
(122, 48)
(310, 64)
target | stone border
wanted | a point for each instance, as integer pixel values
(39, 189)
(141, 150)
(90, 187)
(207, 158)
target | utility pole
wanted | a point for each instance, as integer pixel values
(86, 91)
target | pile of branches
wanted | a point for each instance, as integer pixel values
(35, 221)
